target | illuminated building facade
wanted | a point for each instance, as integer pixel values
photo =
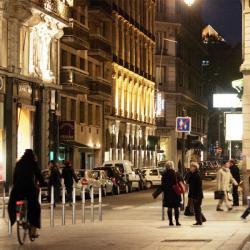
(29, 76)
(180, 85)
(129, 116)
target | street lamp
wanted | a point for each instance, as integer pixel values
(189, 2)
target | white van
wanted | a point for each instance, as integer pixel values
(126, 169)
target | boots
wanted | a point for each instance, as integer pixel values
(170, 217)
(176, 215)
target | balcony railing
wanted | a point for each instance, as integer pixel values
(59, 8)
(101, 5)
(100, 48)
(72, 76)
(76, 36)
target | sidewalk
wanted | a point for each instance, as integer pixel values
(223, 230)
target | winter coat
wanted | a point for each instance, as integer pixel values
(171, 199)
(235, 172)
(26, 176)
(195, 186)
(54, 178)
(68, 175)
(224, 178)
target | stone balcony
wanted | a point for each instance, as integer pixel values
(76, 35)
(100, 88)
(58, 8)
(74, 79)
(100, 47)
(102, 8)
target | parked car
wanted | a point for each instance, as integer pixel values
(142, 178)
(208, 170)
(106, 183)
(126, 169)
(120, 184)
(152, 176)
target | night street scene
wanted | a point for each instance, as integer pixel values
(125, 124)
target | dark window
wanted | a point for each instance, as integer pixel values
(64, 108)
(73, 110)
(82, 112)
(73, 60)
(90, 114)
(64, 58)
(82, 64)
(98, 115)
(153, 172)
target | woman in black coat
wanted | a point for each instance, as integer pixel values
(25, 180)
(171, 199)
(196, 192)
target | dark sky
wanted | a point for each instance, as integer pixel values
(225, 17)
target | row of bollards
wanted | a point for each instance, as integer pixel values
(83, 205)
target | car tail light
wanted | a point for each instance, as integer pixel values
(84, 181)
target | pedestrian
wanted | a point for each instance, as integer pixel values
(69, 175)
(189, 210)
(196, 192)
(27, 176)
(171, 199)
(234, 169)
(224, 179)
(55, 181)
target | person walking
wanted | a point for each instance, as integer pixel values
(224, 178)
(196, 192)
(55, 181)
(69, 175)
(234, 169)
(27, 175)
(171, 200)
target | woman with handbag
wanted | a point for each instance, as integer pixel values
(171, 199)
(224, 178)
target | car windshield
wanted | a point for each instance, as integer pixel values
(95, 174)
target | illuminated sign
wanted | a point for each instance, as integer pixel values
(160, 103)
(183, 124)
(234, 126)
(226, 101)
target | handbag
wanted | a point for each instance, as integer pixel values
(219, 194)
(157, 192)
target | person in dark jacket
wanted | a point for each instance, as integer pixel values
(69, 175)
(171, 199)
(236, 175)
(196, 192)
(26, 177)
(55, 181)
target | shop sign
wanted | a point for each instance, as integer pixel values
(183, 124)
(67, 130)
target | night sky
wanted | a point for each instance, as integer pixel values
(225, 17)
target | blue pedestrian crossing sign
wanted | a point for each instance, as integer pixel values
(183, 124)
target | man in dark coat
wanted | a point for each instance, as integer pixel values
(55, 181)
(236, 175)
(25, 180)
(196, 192)
(68, 175)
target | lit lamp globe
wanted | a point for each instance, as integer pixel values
(189, 2)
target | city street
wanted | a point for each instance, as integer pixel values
(133, 221)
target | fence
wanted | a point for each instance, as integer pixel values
(63, 205)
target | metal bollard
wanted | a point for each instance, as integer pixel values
(63, 206)
(40, 196)
(3, 200)
(9, 223)
(100, 204)
(92, 203)
(74, 206)
(163, 210)
(83, 205)
(52, 201)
